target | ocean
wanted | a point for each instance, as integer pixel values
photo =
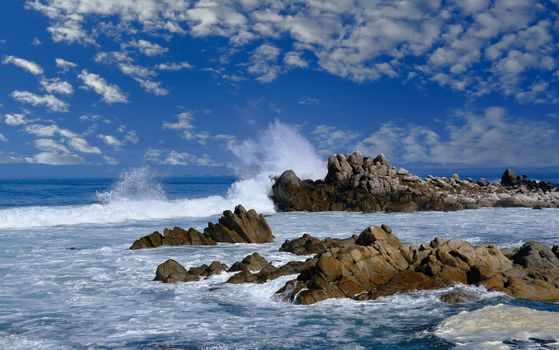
(69, 281)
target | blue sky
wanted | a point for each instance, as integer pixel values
(91, 87)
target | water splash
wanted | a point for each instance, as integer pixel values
(137, 184)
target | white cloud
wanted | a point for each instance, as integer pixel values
(81, 145)
(3, 138)
(173, 157)
(10, 159)
(29, 66)
(51, 158)
(65, 65)
(184, 122)
(487, 139)
(330, 139)
(110, 160)
(57, 86)
(36, 42)
(146, 47)
(49, 101)
(153, 87)
(15, 119)
(173, 66)
(111, 140)
(72, 139)
(110, 93)
(464, 45)
(309, 101)
(50, 145)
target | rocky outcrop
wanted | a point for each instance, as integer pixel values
(172, 272)
(252, 269)
(239, 226)
(378, 264)
(173, 237)
(357, 183)
(307, 244)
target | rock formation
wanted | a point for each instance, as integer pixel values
(357, 183)
(378, 264)
(240, 226)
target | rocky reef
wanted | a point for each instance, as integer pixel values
(238, 226)
(375, 263)
(357, 183)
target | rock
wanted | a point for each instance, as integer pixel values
(270, 272)
(366, 184)
(307, 244)
(379, 265)
(170, 272)
(240, 226)
(253, 262)
(173, 237)
(459, 296)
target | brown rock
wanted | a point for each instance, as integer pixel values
(253, 262)
(240, 226)
(173, 237)
(170, 272)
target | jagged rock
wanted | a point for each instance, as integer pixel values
(378, 264)
(240, 226)
(358, 183)
(270, 272)
(307, 244)
(173, 237)
(253, 262)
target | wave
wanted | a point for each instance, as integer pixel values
(139, 195)
(496, 327)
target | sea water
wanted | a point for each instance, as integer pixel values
(69, 281)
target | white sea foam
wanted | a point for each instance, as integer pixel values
(492, 326)
(138, 195)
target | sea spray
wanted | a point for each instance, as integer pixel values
(139, 195)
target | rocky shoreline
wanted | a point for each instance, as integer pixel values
(367, 184)
(375, 263)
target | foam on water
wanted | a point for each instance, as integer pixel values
(139, 195)
(493, 327)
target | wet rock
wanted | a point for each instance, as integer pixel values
(253, 262)
(173, 237)
(170, 272)
(240, 226)
(307, 244)
(378, 264)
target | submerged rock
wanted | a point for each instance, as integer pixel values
(240, 226)
(357, 183)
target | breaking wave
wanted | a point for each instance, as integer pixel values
(138, 194)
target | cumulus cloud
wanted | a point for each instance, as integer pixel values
(490, 138)
(65, 65)
(173, 157)
(173, 66)
(15, 119)
(3, 138)
(51, 158)
(191, 133)
(146, 47)
(110, 93)
(463, 45)
(57, 86)
(330, 139)
(49, 101)
(29, 66)
(72, 139)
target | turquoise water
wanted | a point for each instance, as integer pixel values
(69, 281)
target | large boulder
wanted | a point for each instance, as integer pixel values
(173, 237)
(378, 264)
(307, 244)
(240, 226)
(172, 272)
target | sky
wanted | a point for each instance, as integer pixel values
(92, 87)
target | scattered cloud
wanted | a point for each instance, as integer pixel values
(36, 42)
(146, 47)
(173, 157)
(3, 138)
(16, 119)
(29, 66)
(173, 66)
(331, 139)
(309, 101)
(65, 65)
(490, 138)
(57, 86)
(51, 158)
(110, 93)
(466, 46)
(49, 101)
